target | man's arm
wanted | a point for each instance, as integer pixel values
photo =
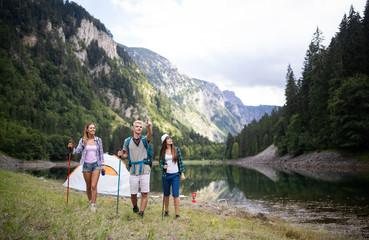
(123, 153)
(149, 131)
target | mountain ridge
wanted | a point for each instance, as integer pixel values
(219, 106)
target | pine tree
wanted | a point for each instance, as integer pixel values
(365, 45)
(229, 144)
(351, 43)
(291, 93)
(310, 72)
(313, 66)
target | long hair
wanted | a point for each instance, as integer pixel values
(162, 152)
(85, 135)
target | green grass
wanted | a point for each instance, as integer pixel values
(35, 208)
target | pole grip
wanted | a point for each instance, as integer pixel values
(72, 148)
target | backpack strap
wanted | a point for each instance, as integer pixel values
(127, 144)
(139, 162)
(146, 161)
(148, 151)
(144, 141)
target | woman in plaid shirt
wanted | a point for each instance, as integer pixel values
(92, 161)
(171, 163)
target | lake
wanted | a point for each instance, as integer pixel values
(339, 202)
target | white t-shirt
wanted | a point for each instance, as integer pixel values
(172, 167)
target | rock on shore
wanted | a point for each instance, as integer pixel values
(327, 165)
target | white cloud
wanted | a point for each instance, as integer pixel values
(252, 96)
(247, 44)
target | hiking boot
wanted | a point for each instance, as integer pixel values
(177, 216)
(93, 207)
(135, 209)
(166, 214)
(141, 214)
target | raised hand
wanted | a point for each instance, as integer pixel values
(148, 122)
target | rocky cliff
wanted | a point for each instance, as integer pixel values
(198, 104)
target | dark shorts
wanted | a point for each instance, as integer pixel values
(171, 180)
(90, 167)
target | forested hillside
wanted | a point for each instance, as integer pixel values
(59, 70)
(328, 107)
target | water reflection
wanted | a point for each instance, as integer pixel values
(235, 183)
(338, 201)
(269, 184)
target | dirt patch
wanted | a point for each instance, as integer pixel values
(224, 210)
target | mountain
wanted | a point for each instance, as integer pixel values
(60, 69)
(248, 113)
(197, 103)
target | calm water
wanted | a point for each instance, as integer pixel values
(334, 201)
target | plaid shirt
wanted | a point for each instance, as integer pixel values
(179, 162)
(99, 152)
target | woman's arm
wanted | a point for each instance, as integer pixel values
(101, 151)
(79, 147)
(180, 163)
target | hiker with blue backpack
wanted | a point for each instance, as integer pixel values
(137, 150)
(171, 163)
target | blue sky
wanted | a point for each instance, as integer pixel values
(240, 45)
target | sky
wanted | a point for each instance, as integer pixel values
(240, 45)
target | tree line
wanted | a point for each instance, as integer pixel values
(328, 107)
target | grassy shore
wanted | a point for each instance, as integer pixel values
(35, 208)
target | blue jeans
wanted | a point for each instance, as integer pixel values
(90, 167)
(171, 180)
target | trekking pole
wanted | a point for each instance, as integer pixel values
(70, 151)
(162, 210)
(118, 183)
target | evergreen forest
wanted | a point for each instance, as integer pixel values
(47, 95)
(328, 107)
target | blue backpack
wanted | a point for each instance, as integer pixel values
(147, 160)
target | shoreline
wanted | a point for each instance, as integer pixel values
(200, 220)
(306, 164)
(268, 164)
(9, 163)
(326, 162)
